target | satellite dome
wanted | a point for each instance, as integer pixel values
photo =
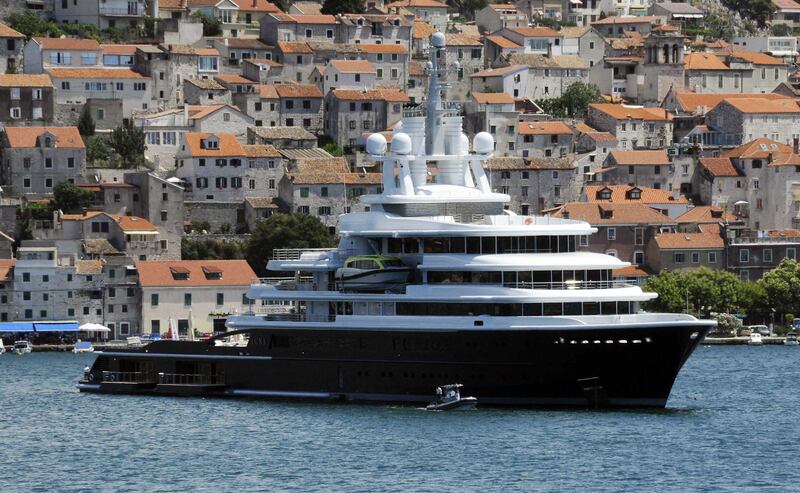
(437, 40)
(463, 144)
(483, 143)
(376, 144)
(401, 143)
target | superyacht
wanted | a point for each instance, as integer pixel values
(436, 283)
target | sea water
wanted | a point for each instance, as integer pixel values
(731, 424)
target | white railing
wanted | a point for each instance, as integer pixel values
(295, 253)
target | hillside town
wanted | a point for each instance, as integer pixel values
(214, 116)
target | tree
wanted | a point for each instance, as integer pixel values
(86, 122)
(573, 102)
(781, 30)
(211, 25)
(129, 142)
(333, 149)
(710, 290)
(671, 296)
(285, 231)
(467, 8)
(727, 323)
(31, 24)
(751, 299)
(208, 249)
(98, 151)
(334, 7)
(782, 286)
(68, 197)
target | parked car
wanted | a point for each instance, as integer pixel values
(761, 329)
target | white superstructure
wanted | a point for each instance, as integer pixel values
(472, 263)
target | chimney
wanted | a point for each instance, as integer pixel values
(796, 145)
(676, 193)
(549, 50)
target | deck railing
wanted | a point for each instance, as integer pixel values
(189, 379)
(295, 253)
(127, 377)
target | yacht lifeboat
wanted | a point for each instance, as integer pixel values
(372, 273)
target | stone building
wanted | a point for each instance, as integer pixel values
(750, 256)
(282, 137)
(350, 113)
(733, 72)
(494, 112)
(326, 188)
(495, 17)
(544, 139)
(741, 120)
(285, 105)
(390, 62)
(623, 230)
(663, 65)
(205, 91)
(371, 28)
(635, 127)
(535, 185)
(467, 52)
(41, 54)
(348, 74)
(684, 251)
(644, 168)
(11, 44)
(197, 295)
(26, 98)
(36, 159)
(431, 11)
(280, 27)
(550, 76)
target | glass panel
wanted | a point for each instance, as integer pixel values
(551, 309)
(591, 308)
(624, 307)
(456, 245)
(488, 245)
(473, 244)
(572, 308)
(609, 307)
(533, 309)
(410, 245)
(504, 244)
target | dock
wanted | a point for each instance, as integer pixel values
(735, 341)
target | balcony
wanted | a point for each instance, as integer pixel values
(132, 10)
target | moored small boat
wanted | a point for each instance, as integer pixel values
(372, 273)
(755, 339)
(83, 347)
(22, 347)
(791, 339)
(448, 398)
(2, 347)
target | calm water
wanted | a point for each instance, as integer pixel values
(732, 425)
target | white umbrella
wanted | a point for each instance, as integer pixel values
(741, 202)
(90, 327)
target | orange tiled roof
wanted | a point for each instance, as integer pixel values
(628, 19)
(267, 91)
(7, 32)
(703, 61)
(689, 241)
(261, 150)
(25, 80)
(94, 73)
(7, 269)
(760, 148)
(68, 44)
(463, 40)
(126, 223)
(707, 214)
(503, 42)
(119, 49)
(314, 19)
(691, 101)
(66, 137)
(197, 111)
(298, 91)
(753, 57)
(330, 170)
(762, 105)
(621, 194)
(158, 273)
(422, 30)
(233, 79)
(171, 5)
(786, 5)
(353, 66)
(493, 98)
(390, 95)
(719, 166)
(610, 213)
(229, 146)
(295, 47)
(632, 271)
(621, 112)
(783, 233)
(416, 3)
(257, 6)
(633, 158)
(536, 32)
(543, 128)
(500, 71)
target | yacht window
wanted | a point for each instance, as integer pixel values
(488, 245)
(410, 245)
(436, 245)
(524, 279)
(394, 245)
(609, 307)
(504, 244)
(572, 308)
(551, 309)
(623, 307)
(542, 244)
(591, 308)
(473, 244)
(392, 262)
(533, 309)
(456, 245)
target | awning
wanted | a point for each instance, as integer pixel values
(56, 327)
(16, 327)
